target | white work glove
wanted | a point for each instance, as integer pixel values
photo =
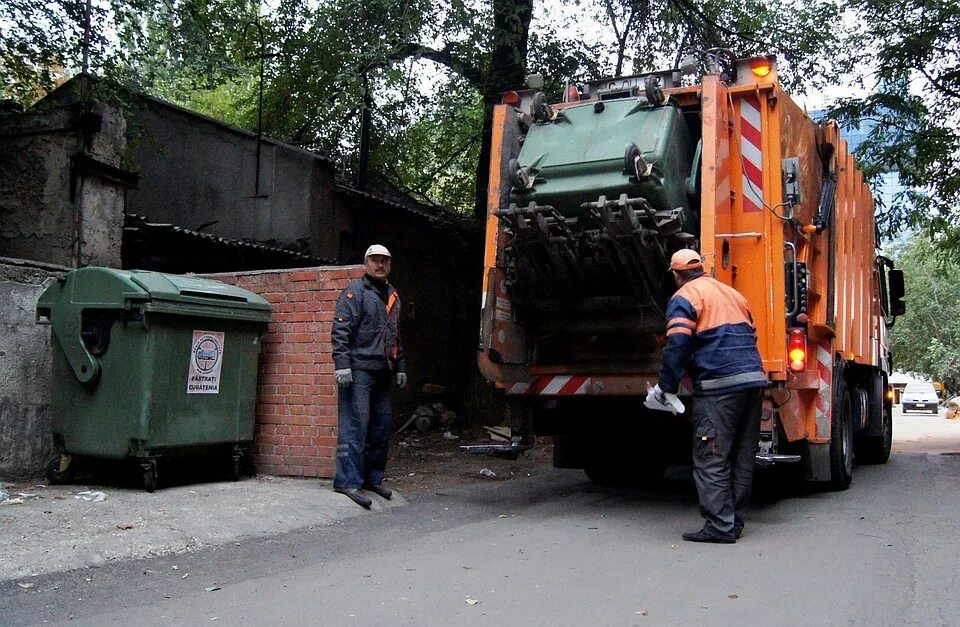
(344, 377)
(401, 379)
(662, 401)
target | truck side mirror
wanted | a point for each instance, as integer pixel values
(897, 291)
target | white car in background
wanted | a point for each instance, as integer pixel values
(919, 396)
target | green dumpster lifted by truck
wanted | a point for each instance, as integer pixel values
(148, 365)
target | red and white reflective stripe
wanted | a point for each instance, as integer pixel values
(553, 385)
(503, 309)
(751, 153)
(825, 393)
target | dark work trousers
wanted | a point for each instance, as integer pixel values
(726, 432)
(364, 429)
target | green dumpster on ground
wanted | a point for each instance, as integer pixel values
(149, 365)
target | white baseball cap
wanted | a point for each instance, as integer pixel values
(377, 249)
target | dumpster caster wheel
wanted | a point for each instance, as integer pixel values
(60, 469)
(150, 477)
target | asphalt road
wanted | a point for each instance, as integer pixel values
(554, 550)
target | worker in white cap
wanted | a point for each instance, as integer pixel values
(711, 336)
(368, 361)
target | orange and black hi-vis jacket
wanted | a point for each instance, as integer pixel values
(366, 328)
(711, 335)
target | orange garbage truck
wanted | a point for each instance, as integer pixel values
(589, 197)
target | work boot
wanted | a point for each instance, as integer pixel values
(738, 529)
(379, 490)
(355, 495)
(703, 536)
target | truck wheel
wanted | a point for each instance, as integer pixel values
(841, 438)
(873, 446)
(624, 474)
(876, 449)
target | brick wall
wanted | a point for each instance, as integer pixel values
(296, 430)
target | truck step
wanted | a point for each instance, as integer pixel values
(769, 459)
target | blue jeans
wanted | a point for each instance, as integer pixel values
(364, 429)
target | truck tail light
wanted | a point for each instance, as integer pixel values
(797, 350)
(511, 98)
(761, 67)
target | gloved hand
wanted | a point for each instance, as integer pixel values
(662, 401)
(401, 379)
(344, 377)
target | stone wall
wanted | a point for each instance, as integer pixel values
(296, 429)
(53, 207)
(25, 364)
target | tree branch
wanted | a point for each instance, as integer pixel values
(444, 57)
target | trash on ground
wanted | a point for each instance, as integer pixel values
(185, 576)
(449, 436)
(486, 472)
(13, 502)
(642, 612)
(499, 434)
(88, 495)
(124, 526)
(733, 596)
(470, 601)
(213, 588)
(26, 586)
(428, 415)
(434, 388)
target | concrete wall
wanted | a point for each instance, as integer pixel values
(39, 217)
(25, 363)
(36, 216)
(195, 170)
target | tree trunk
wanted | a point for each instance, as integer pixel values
(506, 71)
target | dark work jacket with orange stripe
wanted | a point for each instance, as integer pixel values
(366, 332)
(711, 335)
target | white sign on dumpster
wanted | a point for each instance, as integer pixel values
(206, 359)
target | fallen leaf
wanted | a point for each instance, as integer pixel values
(213, 588)
(26, 586)
(470, 601)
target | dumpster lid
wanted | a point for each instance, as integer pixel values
(185, 289)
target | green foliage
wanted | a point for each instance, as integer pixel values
(807, 37)
(431, 70)
(911, 46)
(926, 339)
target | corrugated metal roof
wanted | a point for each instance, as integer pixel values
(168, 247)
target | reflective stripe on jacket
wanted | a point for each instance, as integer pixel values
(366, 332)
(711, 334)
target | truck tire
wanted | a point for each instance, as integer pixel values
(841, 435)
(875, 449)
(622, 473)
